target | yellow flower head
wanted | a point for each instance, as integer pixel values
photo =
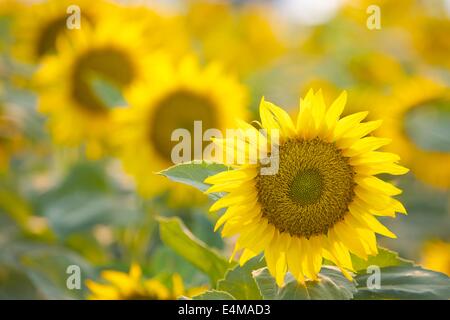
(133, 286)
(10, 138)
(436, 256)
(322, 201)
(176, 95)
(243, 38)
(432, 167)
(69, 83)
(38, 26)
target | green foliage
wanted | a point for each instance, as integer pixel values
(384, 258)
(41, 271)
(214, 295)
(405, 282)
(332, 285)
(176, 236)
(109, 94)
(194, 174)
(83, 199)
(239, 281)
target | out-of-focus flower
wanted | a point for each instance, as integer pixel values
(160, 30)
(134, 286)
(80, 85)
(324, 198)
(11, 138)
(242, 38)
(374, 69)
(436, 256)
(38, 26)
(392, 13)
(431, 39)
(432, 167)
(176, 95)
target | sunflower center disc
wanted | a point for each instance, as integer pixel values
(179, 110)
(311, 191)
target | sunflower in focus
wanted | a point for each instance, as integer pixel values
(436, 256)
(80, 86)
(176, 95)
(324, 198)
(409, 96)
(39, 25)
(133, 286)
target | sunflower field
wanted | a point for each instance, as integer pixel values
(224, 150)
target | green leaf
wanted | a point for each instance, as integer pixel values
(176, 236)
(194, 174)
(384, 258)
(84, 198)
(239, 281)
(46, 268)
(109, 93)
(404, 282)
(331, 286)
(214, 295)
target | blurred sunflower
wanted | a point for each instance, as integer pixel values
(133, 286)
(167, 30)
(38, 26)
(79, 87)
(174, 97)
(10, 139)
(322, 201)
(431, 40)
(243, 31)
(432, 167)
(436, 256)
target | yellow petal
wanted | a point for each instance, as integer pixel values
(335, 110)
(374, 184)
(377, 168)
(374, 157)
(244, 174)
(371, 222)
(365, 145)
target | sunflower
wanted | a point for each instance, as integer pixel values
(133, 286)
(432, 167)
(436, 256)
(176, 95)
(80, 85)
(38, 25)
(430, 38)
(242, 32)
(10, 138)
(322, 201)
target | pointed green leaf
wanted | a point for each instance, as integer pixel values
(194, 174)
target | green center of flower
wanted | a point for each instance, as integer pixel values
(311, 191)
(306, 187)
(179, 110)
